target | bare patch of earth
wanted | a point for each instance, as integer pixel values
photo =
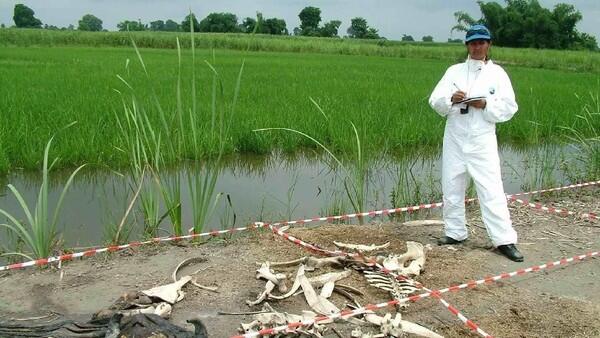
(559, 302)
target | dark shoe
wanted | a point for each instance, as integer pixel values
(448, 241)
(511, 252)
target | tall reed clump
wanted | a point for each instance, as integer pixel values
(202, 177)
(142, 146)
(587, 123)
(352, 167)
(183, 132)
(149, 148)
(38, 232)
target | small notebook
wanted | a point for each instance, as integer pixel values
(470, 99)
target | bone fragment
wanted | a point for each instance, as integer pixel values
(247, 327)
(317, 282)
(170, 293)
(293, 262)
(361, 247)
(397, 263)
(312, 263)
(316, 302)
(185, 263)
(273, 318)
(162, 309)
(208, 288)
(350, 288)
(268, 288)
(327, 289)
(396, 326)
(265, 272)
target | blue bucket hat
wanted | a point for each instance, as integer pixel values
(478, 32)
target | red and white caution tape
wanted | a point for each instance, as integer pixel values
(571, 186)
(113, 248)
(469, 323)
(435, 293)
(552, 210)
(92, 252)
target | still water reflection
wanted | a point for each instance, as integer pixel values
(270, 188)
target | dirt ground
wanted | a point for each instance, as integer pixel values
(559, 302)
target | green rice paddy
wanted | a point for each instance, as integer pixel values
(46, 84)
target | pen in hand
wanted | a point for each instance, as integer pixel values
(457, 96)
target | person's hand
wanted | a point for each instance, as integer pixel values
(458, 96)
(478, 104)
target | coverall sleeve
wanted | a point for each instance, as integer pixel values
(440, 99)
(502, 106)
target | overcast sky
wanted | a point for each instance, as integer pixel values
(392, 18)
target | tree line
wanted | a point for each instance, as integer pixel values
(310, 24)
(520, 23)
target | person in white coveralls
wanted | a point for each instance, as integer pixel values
(474, 96)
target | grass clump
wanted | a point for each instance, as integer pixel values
(38, 232)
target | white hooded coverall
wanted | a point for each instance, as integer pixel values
(470, 146)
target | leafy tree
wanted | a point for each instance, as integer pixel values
(219, 22)
(407, 38)
(427, 38)
(51, 27)
(132, 26)
(157, 25)
(297, 31)
(185, 24)
(90, 23)
(586, 41)
(455, 40)
(171, 26)
(330, 29)
(274, 26)
(71, 27)
(24, 17)
(566, 18)
(248, 25)
(2, 26)
(525, 23)
(359, 29)
(310, 17)
(373, 33)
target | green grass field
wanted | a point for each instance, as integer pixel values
(44, 88)
(584, 61)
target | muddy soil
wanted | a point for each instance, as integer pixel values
(559, 302)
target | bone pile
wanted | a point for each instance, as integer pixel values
(318, 289)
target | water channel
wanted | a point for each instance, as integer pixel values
(271, 188)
